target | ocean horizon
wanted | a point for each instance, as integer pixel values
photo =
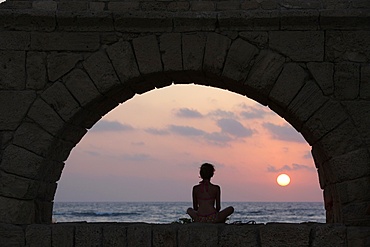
(169, 212)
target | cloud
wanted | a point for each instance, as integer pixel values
(186, 130)
(308, 155)
(110, 126)
(234, 128)
(293, 167)
(160, 132)
(218, 138)
(188, 113)
(140, 157)
(222, 113)
(284, 133)
(254, 112)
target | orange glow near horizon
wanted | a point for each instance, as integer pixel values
(150, 148)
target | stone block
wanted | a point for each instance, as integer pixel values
(11, 40)
(243, 235)
(265, 71)
(170, 49)
(285, 234)
(88, 235)
(114, 235)
(154, 5)
(61, 100)
(53, 169)
(259, 39)
(59, 63)
(81, 87)
(193, 46)
(147, 54)
(14, 106)
(327, 235)
(358, 236)
(178, 6)
(358, 110)
(329, 116)
(165, 235)
(202, 6)
(16, 211)
(345, 19)
(12, 70)
(354, 190)
(227, 5)
(36, 70)
(198, 234)
(215, 53)
(123, 6)
(43, 114)
(323, 73)
(86, 118)
(346, 81)
(199, 21)
(299, 19)
(25, 20)
(11, 235)
(61, 149)
(305, 104)
(341, 140)
(348, 166)
(124, 61)
(17, 187)
(356, 214)
(301, 4)
(86, 21)
(46, 191)
(5, 139)
(305, 46)
(38, 236)
(65, 41)
(69, 6)
(31, 137)
(137, 21)
(44, 212)
(101, 71)
(73, 133)
(45, 5)
(99, 6)
(258, 20)
(62, 235)
(249, 5)
(238, 61)
(365, 82)
(17, 160)
(347, 46)
(287, 86)
(139, 235)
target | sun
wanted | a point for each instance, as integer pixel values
(283, 180)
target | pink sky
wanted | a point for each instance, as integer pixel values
(150, 149)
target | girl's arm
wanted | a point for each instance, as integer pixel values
(218, 199)
(195, 200)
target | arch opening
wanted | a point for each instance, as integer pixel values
(152, 146)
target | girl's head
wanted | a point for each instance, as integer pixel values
(206, 171)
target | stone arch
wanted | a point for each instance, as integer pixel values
(97, 82)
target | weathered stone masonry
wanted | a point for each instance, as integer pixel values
(64, 64)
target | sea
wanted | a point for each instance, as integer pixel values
(170, 212)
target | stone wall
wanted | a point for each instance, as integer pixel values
(65, 64)
(189, 235)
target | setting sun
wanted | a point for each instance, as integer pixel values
(283, 180)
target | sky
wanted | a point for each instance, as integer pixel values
(150, 148)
